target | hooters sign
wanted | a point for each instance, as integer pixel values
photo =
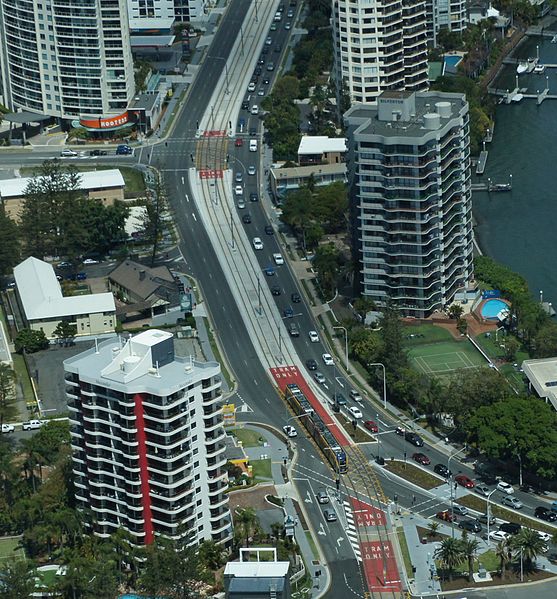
(108, 123)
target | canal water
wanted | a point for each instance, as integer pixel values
(519, 229)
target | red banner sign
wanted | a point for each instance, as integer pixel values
(107, 123)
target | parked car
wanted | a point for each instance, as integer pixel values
(31, 425)
(414, 438)
(421, 458)
(544, 514)
(371, 425)
(8, 428)
(512, 501)
(544, 536)
(313, 336)
(328, 359)
(311, 364)
(505, 487)
(483, 519)
(470, 525)
(442, 470)
(446, 516)
(90, 261)
(322, 497)
(511, 528)
(290, 431)
(465, 481)
(318, 376)
(355, 412)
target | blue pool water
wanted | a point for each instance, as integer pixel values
(492, 307)
(452, 60)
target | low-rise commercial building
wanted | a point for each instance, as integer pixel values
(284, 180)
(43, 306)
(320, 149)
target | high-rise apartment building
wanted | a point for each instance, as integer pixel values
(409, 165)
(67, 58)
(181, 10)
(379, 45)
(445, 14)
(148, 441)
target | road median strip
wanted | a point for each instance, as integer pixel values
(413, 474)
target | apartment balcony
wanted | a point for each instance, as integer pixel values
(219, 501)
(172, 468)
(216, 488)
(222, 526)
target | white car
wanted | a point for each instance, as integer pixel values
(90, 261)
(356, 412)
(505, 487)
(318, 376)
(498, 535)
(512, 501)
(8, 428)
(279, 260)
(257, 243)
(544, 536)
(251, 87)
(313, 337)
(289, 431)
(68, 154)
(255, 109)
(239, 190)
(328, 359)
(241, 204)
(251, 170)
(31, 425)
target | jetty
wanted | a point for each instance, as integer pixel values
(482, 160)
(492, 187)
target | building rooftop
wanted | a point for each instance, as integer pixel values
(306, 171)
(15, 188)
(406, 114)
(256, 569)
(542, 375)
(320, 144)
(146, 24)
(41, 294)
(141, 280)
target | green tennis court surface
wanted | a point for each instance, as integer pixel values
(10, 549)
(439, 359)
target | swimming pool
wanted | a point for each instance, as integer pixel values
(451, 60)
(492, 307)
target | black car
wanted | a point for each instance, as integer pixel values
(442, 470)
(470, 525)
(414, 438)
(311, 364)
(269, 230)
(254, 78)
(265, 51)
(257, 70)
(295, 298)
(544, 514)
(275, 290)
(510, 527)
(245, 105)
(288, 312)
(261, 61)
(246, 219)
(253, 197)
(339, 399)
(253, 131)
(278, 48)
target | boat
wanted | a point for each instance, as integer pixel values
(531, 65)
(522, 68)
(539, 68)
(517, 98)
(554, 39)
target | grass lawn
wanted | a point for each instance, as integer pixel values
(360, 435)
(424, 334)
(248, 437)
(261, 469)
(313, 546)
(9, 548)
(405, 552)
(477, 503)
(413, 474)
(23, 378)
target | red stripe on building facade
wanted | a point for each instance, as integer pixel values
(143, 470)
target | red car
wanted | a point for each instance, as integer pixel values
(446, 516)
(421, 458)
(371, 426)
(464, 481)
(239, 142)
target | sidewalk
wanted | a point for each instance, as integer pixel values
(276, 451)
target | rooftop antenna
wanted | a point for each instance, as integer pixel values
(158, 375)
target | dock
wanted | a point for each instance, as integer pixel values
(492, 187)
(482, 160)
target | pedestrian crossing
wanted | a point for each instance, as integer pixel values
(351, 532)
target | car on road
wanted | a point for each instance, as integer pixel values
(421, 458)
(290, 431)
(544, 536)
(355, 412)
(271, 66)
(275, 290)
(269, 41)
(241, 204)
(400, 431)
(330, 515)
(257, 243)
(239, 142)
(239, 190)
(511, 528)
(328, 359)
(311, 364)
(446, 516)
(293, 330)
(8, 428)
(254, 109)
(313, 336)
(482, 490)
(545, 514)
(483, 519)
(288, 312)
(31, 425)
(295, 297)
(288, 26)
(98, 153)
(470, 525)
(246, 219)
(269, 270)
(505, 487)
(279, 260)
(269, 230)
(278, 48)
(274, 26)
(512, 501)
(339, 399)
(322, 497)
(319, 378)
(251, 170)
(461, 510)
(239, 177)
(253, 197)
(414, 438)
(498, 535)
(465, 481)
(355, 395)
(442, 470)
(68, 153)
(371, 425)
(290, 13)
(90, 261)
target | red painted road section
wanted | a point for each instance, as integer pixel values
(143, 470)
(380, 566)
(285, 375)
(208, 173)
(215, 133)
(366, 514)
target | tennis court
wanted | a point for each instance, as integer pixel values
(10, 549)
(444, 358)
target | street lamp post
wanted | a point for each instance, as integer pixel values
(384, 382)
(453, 455)
(488, 510)
(345, 347)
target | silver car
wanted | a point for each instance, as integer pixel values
(512, 501)
(319, 378)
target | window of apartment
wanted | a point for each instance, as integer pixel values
(197, 476)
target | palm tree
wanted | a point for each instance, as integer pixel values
(527, 545)
(469, 549)
(246, 520)
(504, 552)
(433, 528)
(450, 554)
(211, 555)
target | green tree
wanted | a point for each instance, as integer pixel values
(10, 247)
(17, 579)
(327, 264)
(247, 524)
(394, 355)
(503, 551)
(212, 556)
(527, 545)
(469, 550)
(450, 554)
(545, 341)
(365, 345)
(7, 389)
(152, 225)
(432, 528)
(66, 332)
(455, 311)
(30, 340)
(511, 347)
